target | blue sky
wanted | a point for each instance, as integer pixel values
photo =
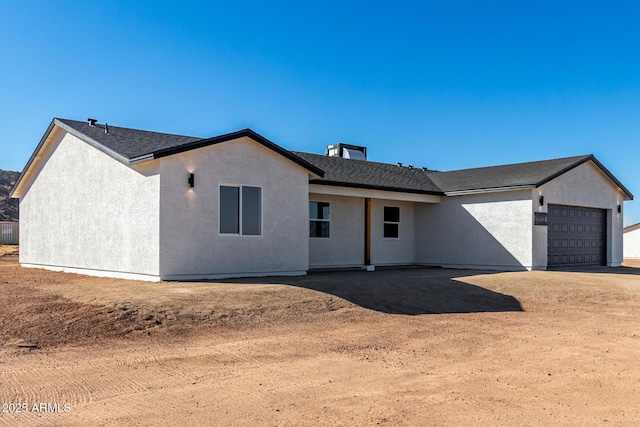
(446, 84)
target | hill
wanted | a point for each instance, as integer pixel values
(8, 206)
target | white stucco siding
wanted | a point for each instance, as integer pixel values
(392, 251)
(632, 244)
(491, 230)
(345, 245)
(583, 186)
(85, 210)
(191, 245)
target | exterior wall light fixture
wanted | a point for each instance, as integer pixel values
(541, 200)
(619, 208)
(191, 180)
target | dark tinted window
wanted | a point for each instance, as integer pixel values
(229, 210)
(391, 220)
(391, 214)
(319, 210)
(390, 230)
(319, 214)
(251, 211)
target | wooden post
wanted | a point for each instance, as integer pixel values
(367, 231)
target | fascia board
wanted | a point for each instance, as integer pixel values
(489, 190)
(95, 144)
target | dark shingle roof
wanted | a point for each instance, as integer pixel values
(132, 145)
(365, 174)
(530, 174)
(129, 143)
(514, 175)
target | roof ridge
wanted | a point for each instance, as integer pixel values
(101, 125)
(404, 167)
(580, 157)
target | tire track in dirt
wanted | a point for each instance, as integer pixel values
(141, 380)
(108, 379)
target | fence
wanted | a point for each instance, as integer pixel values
(9, 233)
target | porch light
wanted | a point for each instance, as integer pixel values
(619, 208)
(541, 200)
(191, 180)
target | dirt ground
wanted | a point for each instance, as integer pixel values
(395, 347)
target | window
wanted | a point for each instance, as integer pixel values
(241, 210)
(319, 216)
(391, 221)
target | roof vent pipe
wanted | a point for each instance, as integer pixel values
(92, 122)
(399, 164)
(106, 128)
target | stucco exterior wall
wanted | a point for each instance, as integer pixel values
(491, 230)
(345, 245)
(392, 251)
(85, 210)
(191, 246)
(632, 244)
(584, 186)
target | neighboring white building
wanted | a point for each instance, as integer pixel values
(118, 202)
(631, 239)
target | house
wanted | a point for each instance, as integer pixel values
(631, 238)
(118, 202)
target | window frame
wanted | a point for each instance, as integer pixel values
(386, 222)
(240, 210)
(316, 220)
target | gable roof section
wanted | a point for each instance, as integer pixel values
(630, 228)
(139, 145)
(131, 146)
(514, 176)
(373, 175)
(127, 143)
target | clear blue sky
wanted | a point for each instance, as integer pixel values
(447, 84)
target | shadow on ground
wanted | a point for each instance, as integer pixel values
(410, 291)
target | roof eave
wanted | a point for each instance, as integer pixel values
(33, 157)
(375, 187)
(598, 164)
(56, 122)
(630, 228)
(228, 137)
(488, 190)
(92, 142)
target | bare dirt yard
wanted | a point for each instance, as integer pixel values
(395, 347)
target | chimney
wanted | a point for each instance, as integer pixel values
(347, 151)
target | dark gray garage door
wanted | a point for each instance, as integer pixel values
(577, 236)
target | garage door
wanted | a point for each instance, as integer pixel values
(577, 236)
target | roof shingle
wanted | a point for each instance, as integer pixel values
(129, 143)
(513, 175)
(132, 144)
(366, 174)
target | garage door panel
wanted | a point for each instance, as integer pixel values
(576, 236)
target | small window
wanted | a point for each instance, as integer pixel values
(251, 211)
(229, 210)
(241, 210)
(319, 216)
(391, 222)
